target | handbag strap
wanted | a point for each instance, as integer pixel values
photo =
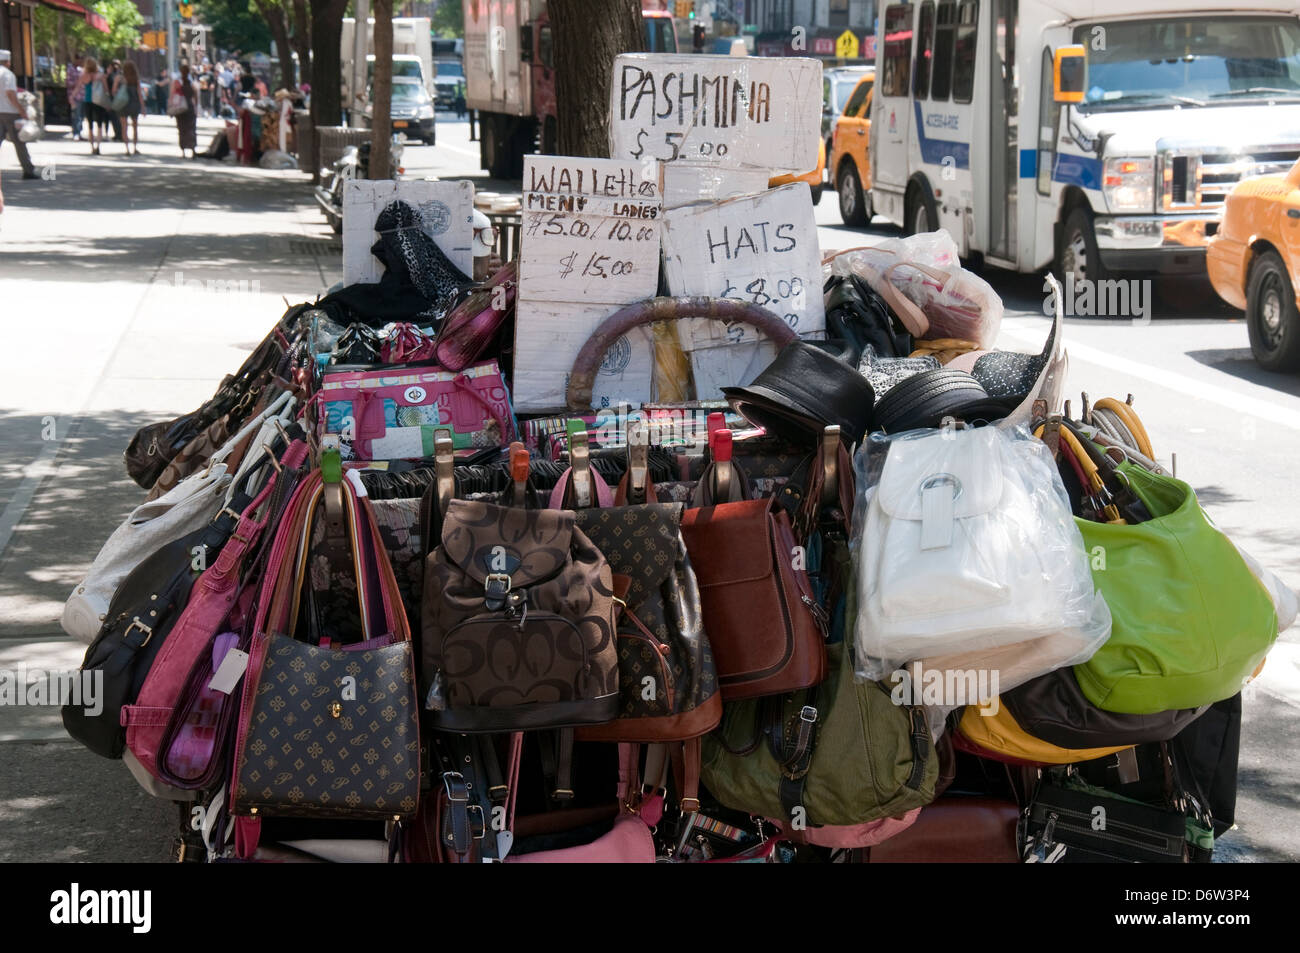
(462, 383)
(603, 494)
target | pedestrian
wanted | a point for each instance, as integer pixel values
(460, 99)
(130, 116)
(110, 83)
(74, 105)
(12, 115)
(85, 96)
(187, 121)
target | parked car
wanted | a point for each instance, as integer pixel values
(446, 80)
(838, 84)
(849, 165)
(1253, 260)
(815, 178)
(411, 111)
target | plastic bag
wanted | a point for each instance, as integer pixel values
(275, 159)
(964, 543)
(927, 270)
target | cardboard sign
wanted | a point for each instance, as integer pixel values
(446, 207)
(761, 249)
(589, 244)
(730, 111)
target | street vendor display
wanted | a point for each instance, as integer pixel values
(444, 587)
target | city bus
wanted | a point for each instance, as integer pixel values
(1095, 136)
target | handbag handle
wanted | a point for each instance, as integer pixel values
(582, 377)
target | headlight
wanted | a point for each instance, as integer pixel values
(425, 112)
(1129, 185)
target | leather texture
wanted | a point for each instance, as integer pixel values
(1191, 622)
(1052, 707)
(519, 620)
(1000, 736)
(758, 609)
(470, 327)
(668, 685)
(956, 830)
(192, 456)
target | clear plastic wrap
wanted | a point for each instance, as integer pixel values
(966, 554)
(926, 269)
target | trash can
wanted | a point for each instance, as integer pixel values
(334, 139)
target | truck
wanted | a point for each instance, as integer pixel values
(1096, 138)
(412, 52)
(510, 78)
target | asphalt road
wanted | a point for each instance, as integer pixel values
(103, 333)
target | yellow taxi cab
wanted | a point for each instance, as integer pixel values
(815, 178)
(849, 164)
(1254, 259)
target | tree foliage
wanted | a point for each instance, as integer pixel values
(449, 19)
(79, 37)
(236, 25)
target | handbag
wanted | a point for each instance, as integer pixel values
(469, 329)
(192, 456)
(326, 730)
(996, 734)
(519, 622)
(174, 700)
(120, 99)
(1053, 708)
(1191, 622)
(1085, 824)
(968, 545)
(842, 754)
(392, 413)
(99, 93)
(744, 559)
(956, 830)
(177, 103)
(668, 685)
(859, 318)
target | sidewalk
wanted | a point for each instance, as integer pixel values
(130, 287)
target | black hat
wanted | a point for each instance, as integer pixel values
(925, 399)
(804, 390)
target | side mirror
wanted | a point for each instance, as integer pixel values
(1069, 74)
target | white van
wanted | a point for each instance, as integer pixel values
(1094, 135)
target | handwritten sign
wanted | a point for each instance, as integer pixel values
(728, 111)
(760, 249)
(446, 209)
(589, 244)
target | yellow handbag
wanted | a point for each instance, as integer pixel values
(1001, 736)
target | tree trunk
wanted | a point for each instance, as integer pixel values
(301, 38)
(326, 71)
(381, 124)
(585, 47)
(273, 13)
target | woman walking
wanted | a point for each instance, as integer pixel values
(85, 97)
(187, 121)
(130, 116)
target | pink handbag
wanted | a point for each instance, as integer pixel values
(630, 840)
(853, 835)
(393, 413)
(470, 327)
(168, 690)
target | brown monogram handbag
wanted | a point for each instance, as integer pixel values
(327, 730)
(518, 623)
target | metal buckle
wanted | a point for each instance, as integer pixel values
(446, 783)
(808, 713)
(497, 577)
(481, 827)
(137, 624)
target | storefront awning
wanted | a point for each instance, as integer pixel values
(98, 22)
(68, 6)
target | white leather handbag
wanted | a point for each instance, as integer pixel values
(186, 507)
(969, 546)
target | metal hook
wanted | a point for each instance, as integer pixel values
(830, 464)
(270, 456)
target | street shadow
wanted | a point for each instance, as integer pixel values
(1240, 363)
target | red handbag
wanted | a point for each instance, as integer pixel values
(162, 707)
(470, 327)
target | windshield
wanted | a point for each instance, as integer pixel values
(450, 69)
(1195, 61)
(408, 93)
(409, 68)
(841, 89)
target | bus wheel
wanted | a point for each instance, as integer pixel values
(1078, 255)
(853, 205)
(922, 216)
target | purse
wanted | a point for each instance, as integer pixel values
(172, 699)
(1000, 737)
(99, 93)
(469, 329)
(192, 456)
(843, 754)
(177, 104)
(1191, 622)
(766, 631)
(668, 685)
(1085, 824)
(326, 730)
(392, 413)
(120, 99)
(519, 623)
(956, 830)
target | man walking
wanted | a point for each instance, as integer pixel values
(10, 111)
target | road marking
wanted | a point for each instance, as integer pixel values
(1202, 390)
(36, 473)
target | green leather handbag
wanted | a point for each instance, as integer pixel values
(1190, 621)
